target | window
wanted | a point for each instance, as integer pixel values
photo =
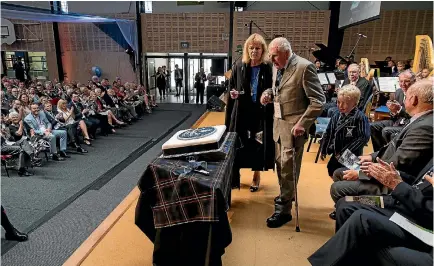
(148, 6)
(239, 8)
(64, 6)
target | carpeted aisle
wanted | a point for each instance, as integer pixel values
(253, 244)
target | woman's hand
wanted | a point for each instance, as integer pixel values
(234, 94)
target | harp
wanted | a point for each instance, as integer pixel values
(365, 70)
(423, 55)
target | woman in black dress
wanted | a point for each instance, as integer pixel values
(161, 82)
(244, 113)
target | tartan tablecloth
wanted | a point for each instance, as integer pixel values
(178, 199)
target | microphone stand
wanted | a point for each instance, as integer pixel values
(354, 48)
(250, 29)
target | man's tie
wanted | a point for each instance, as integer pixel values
(278, 77)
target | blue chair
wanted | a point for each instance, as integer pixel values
(320, 129)
(382, 109)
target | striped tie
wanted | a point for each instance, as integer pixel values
(278, 78)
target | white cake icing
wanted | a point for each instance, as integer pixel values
(174, 142)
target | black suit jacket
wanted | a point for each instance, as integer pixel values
(108, 100)
(412, 148)
(365, 91)
(414, 201)
(402, 117)
(78, 108)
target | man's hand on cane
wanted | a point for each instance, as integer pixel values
(298, 130)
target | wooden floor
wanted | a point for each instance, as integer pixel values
(118, 242)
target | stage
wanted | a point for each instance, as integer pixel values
(118, 241)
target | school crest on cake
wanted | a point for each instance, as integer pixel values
(197, 133)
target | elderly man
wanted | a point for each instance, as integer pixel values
(383, 131)
(409, 151)
(298, 99)
(366, 236)
(361, 83)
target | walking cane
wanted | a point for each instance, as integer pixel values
(294, 175)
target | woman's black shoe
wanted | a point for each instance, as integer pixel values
(16, 235)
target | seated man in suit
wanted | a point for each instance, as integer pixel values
(39, 124)
(361, 83)
(382, 131)
(410, 150)
(366, 236)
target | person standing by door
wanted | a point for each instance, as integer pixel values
(178, 80)
(200, 79)
(19, 70)
(161, 83)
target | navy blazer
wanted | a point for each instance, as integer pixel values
(353, 133)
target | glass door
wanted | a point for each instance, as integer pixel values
(151, 76)
(193, 69)
(172, 63)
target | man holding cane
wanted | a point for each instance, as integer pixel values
(298, 99)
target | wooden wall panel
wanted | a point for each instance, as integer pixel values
(163, 33)
(391, 35)
(301, 28)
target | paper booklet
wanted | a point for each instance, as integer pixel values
(376, 201)
(418, 231)
(349, 160)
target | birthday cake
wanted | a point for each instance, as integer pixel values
(194, 140)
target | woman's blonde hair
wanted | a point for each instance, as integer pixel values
(59, 104)
(254, 38)
(350, 91)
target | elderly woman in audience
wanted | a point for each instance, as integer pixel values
(18, 133)
(67, 115)
(19, 154)
(348, 129)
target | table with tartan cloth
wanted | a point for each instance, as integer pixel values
(180, 210)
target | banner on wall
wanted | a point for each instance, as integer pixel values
(7, 32)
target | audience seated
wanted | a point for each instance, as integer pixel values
(361, 83)
(51, 116)
(40, 126)
(383, 131)
(409, 151)
(366, 236)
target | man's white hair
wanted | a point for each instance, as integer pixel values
(354, 65)
(423, 89)
(282, 44)
(13, 114)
